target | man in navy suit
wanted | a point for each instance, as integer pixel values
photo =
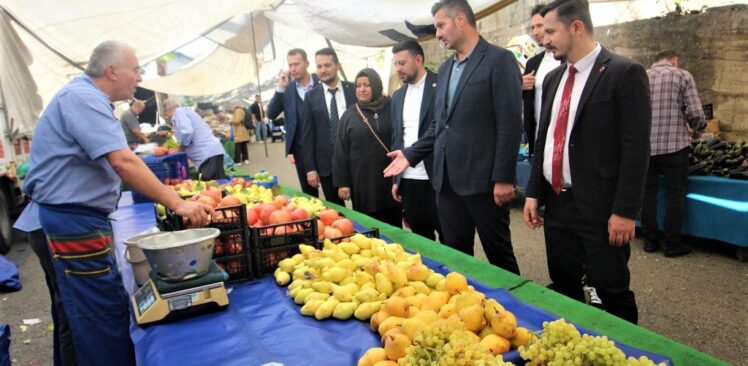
(289, 99)
(323, 108)
(590, 162)
(475, 137)
(412, 112)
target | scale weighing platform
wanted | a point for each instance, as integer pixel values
(159, 301)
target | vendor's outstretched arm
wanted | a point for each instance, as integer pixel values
(135, 173)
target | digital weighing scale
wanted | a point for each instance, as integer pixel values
(160, 301)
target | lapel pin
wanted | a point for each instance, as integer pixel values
(602, 68)
(433, 85)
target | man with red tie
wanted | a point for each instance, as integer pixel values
(591, 162)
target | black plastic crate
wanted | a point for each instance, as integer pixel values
(238, 267)
(272, 243)
(371, 233)
(170, 222)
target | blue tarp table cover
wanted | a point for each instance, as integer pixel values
(263, 325)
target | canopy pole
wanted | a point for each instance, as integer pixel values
(259, 84)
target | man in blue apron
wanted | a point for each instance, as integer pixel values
(79, 158)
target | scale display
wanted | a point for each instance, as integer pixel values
(144, 298)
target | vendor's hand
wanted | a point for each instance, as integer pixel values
(313, 179)
(398, 165)
(532, 219)
(528, 81)
(503, 193)
(291, 159)
(195, 212)
(395, 194)
(283, 79)
(621, 230)
(344, 193)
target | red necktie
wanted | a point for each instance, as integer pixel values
(559, 134)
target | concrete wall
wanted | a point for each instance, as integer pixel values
(713, 45)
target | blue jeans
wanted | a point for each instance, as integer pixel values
(93, 297)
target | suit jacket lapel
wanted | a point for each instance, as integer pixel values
(428, 93)
(472, 63)
(597, 70)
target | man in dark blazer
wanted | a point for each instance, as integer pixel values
(412, 112)
(474, 139)
(289, 99)
(536, 69)
(323, 108)
(590, 162)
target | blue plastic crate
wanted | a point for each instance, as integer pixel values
(267, 185)
(167, 166)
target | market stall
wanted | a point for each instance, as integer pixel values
(262, 324)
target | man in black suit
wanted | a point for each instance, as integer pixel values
(412, 112)
(322, 110)
(474, 139)
(289, 99)
(590, 162)
(536, 69)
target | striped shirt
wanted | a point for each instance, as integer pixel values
(675, 103)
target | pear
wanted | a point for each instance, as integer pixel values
(504, 325)
(389, 323)
(435, 300)
(301, 295)
(327, 244)
(377, 319)
(397, 306)
(349, 248)
(416, 300)
(433, 279)
(367, 295)
(366, 253)
(412, 325)
(384, 286)
(342, 293)
(311, 307)
(363, 278)
(441, 285)
(469, 298)
(447, 311)
(473, 318)
(395, 346)
(386, 363)
(456, 282)
(296, 283)
(367, 309)
(287, 265)
(391, 331)
(316, 296)
(298, 258)
(348, 281)
(485, 331)
(420, 287)
(306, 249)
(396, 275)
(362, 241)
(323, 286)
(344, 310)
(282, 278)
(326, 309)
(492, 309)
(417, 272)
(495, 344)
(405, 291)
(522, 337)
(335, 274)
(372, 356)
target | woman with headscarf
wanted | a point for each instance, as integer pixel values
(360, 156)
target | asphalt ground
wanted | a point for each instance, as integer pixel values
(699, 300)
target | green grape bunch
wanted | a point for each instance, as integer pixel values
(446, 344)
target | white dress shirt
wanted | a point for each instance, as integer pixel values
(584, 67)
(411, 124)
(547, 64)
(339, 98)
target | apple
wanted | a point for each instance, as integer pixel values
(344, 225)
(332, 233)
(328, 216)
(229, 200)
(279, 217)
(280, 201)
(266, 212)
(320, 229)
(251, 217)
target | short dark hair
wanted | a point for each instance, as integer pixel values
(666, 55)
(537, 9)
(410, 45)
(327, 51)
(453, 7)
(297, 51)
(569, 11)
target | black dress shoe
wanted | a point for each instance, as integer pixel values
(677, 251)
(651, 246)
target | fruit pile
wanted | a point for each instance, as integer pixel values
(262, 177)
(162, 151)
(717, 157)
(562, 344)
(405, 300)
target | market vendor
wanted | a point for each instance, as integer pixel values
(197, 140)
(131, 124)
(78, 161)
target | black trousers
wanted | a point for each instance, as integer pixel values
(212, 168)
(579, 252)
(331, 192)
(301, 173)
(419, 204)
(460, 216)
(240, 151)
(389, 215)
(674, 167)
(64, 350)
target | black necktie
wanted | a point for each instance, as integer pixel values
(334, 118)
